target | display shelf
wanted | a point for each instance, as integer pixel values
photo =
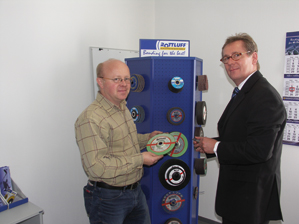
(27, 213)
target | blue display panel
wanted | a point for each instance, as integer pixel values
(157, 99)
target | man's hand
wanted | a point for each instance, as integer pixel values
(150, 158)
(154, 133)
(204, 145)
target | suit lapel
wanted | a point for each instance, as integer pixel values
(234, 103)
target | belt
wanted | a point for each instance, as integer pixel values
(107, 186)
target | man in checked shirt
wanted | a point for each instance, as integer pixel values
(110, 151)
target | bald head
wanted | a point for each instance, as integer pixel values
(107, 66)
(108, 75)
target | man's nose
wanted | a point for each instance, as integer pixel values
(123, 82)
(230, 60)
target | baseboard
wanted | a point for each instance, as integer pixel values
(209, 221)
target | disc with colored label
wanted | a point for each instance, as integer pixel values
(137, 113)
(176, 84)
(173, 201)
(174, 174)
(175, 116)
(161, 144)
(181, 144)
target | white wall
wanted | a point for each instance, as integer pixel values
(207, 24)
(46, 82)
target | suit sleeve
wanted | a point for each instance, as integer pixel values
(254, 129)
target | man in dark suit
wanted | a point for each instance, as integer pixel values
(250, 140)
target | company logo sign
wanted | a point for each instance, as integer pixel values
(164, 48)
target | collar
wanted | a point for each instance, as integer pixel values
(108, 105)
(242, 83)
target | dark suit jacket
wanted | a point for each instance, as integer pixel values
(250, 134)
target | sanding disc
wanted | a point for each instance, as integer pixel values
(138, 114)
(181, 144)
(173, 221)
(161, 144)
(202, 82)
(137, 83)
(176, 84)
(174, 174)
(173, 201)
(175, 116)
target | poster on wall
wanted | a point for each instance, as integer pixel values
(291, 89)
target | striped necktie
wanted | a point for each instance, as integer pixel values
(235, 92)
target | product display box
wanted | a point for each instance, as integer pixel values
(11, 195)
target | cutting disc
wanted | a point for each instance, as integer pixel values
(161, 144)
(181, 144)
(175, 116)
(174, 174)
(173, 201)
(176, 84)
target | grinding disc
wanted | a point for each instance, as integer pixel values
(173, 201)
(195, 192)
(176, 84)
(198, 132)
(175, 116)
(201, 112)
(181, 144)
(173, 221)
(137, 113)
(174, 174)
(161, 144)
(200, 166)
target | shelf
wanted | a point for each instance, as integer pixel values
(27, 213)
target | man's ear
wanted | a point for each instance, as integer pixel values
(100, 82)
(254, 58)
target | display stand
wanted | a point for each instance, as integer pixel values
(27, 213)
(169, 99)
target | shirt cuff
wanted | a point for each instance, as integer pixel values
(215, 148)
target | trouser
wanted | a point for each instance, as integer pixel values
(110, 206)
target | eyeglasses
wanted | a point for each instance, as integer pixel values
(119, 80)
(235, 56)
